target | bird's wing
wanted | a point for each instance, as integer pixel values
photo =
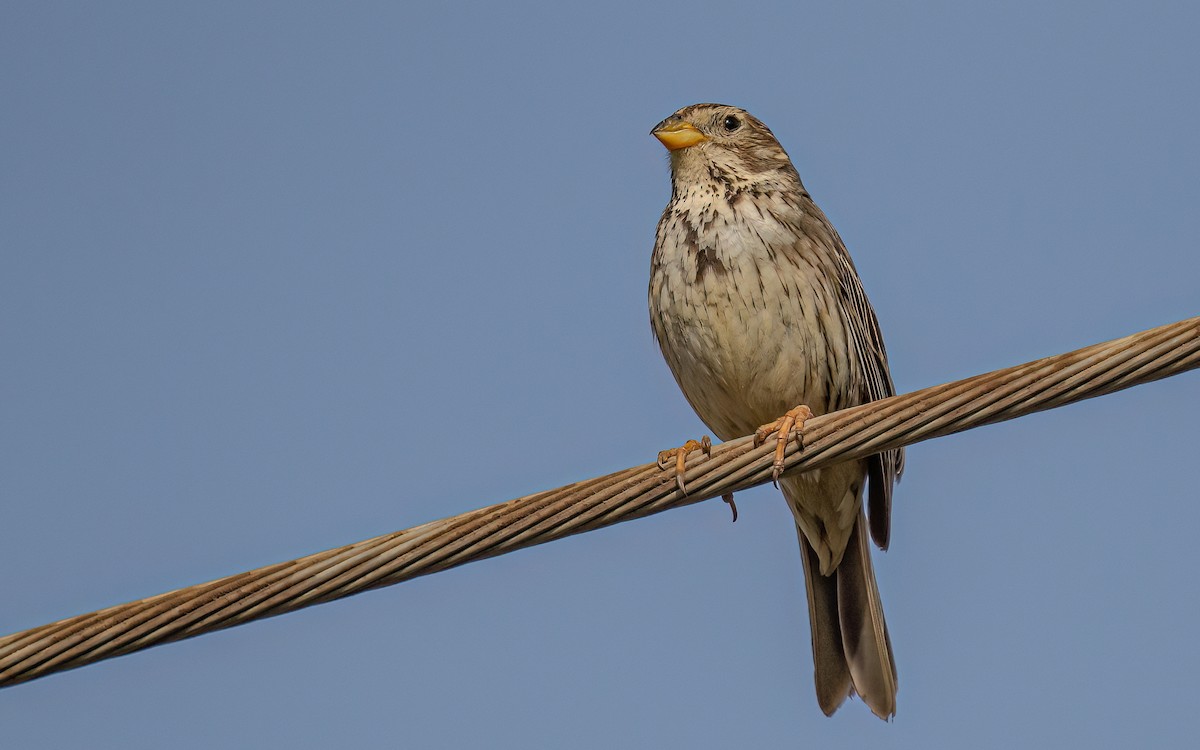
(884, 469)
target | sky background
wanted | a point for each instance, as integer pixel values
(278, 277)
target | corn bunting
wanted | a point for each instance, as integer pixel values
(759, 312)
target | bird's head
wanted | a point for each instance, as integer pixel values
(718, 143)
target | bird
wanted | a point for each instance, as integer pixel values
(761, 317)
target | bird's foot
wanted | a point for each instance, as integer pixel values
(790, 423)
(680, 455)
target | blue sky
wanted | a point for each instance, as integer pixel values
(279, 277)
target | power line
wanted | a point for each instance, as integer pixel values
(584, 506)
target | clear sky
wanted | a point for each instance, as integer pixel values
(279, 277)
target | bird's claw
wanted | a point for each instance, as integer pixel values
(791, 422)
(680, 455)
(732, 505)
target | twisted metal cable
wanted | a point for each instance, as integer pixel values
(596, 503)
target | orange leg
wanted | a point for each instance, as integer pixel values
(680, 455)
(792, 422)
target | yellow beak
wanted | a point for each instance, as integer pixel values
(676, 134)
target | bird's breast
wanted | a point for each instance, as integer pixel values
(745, 313)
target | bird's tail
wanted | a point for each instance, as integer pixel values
(852, 652)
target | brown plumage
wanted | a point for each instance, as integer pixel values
(758, 308)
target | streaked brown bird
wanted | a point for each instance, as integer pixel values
(759, 312)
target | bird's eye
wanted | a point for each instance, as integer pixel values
(732, 123)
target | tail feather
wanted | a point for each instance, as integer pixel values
(864, 630)
(830, 670)
(852, 652)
